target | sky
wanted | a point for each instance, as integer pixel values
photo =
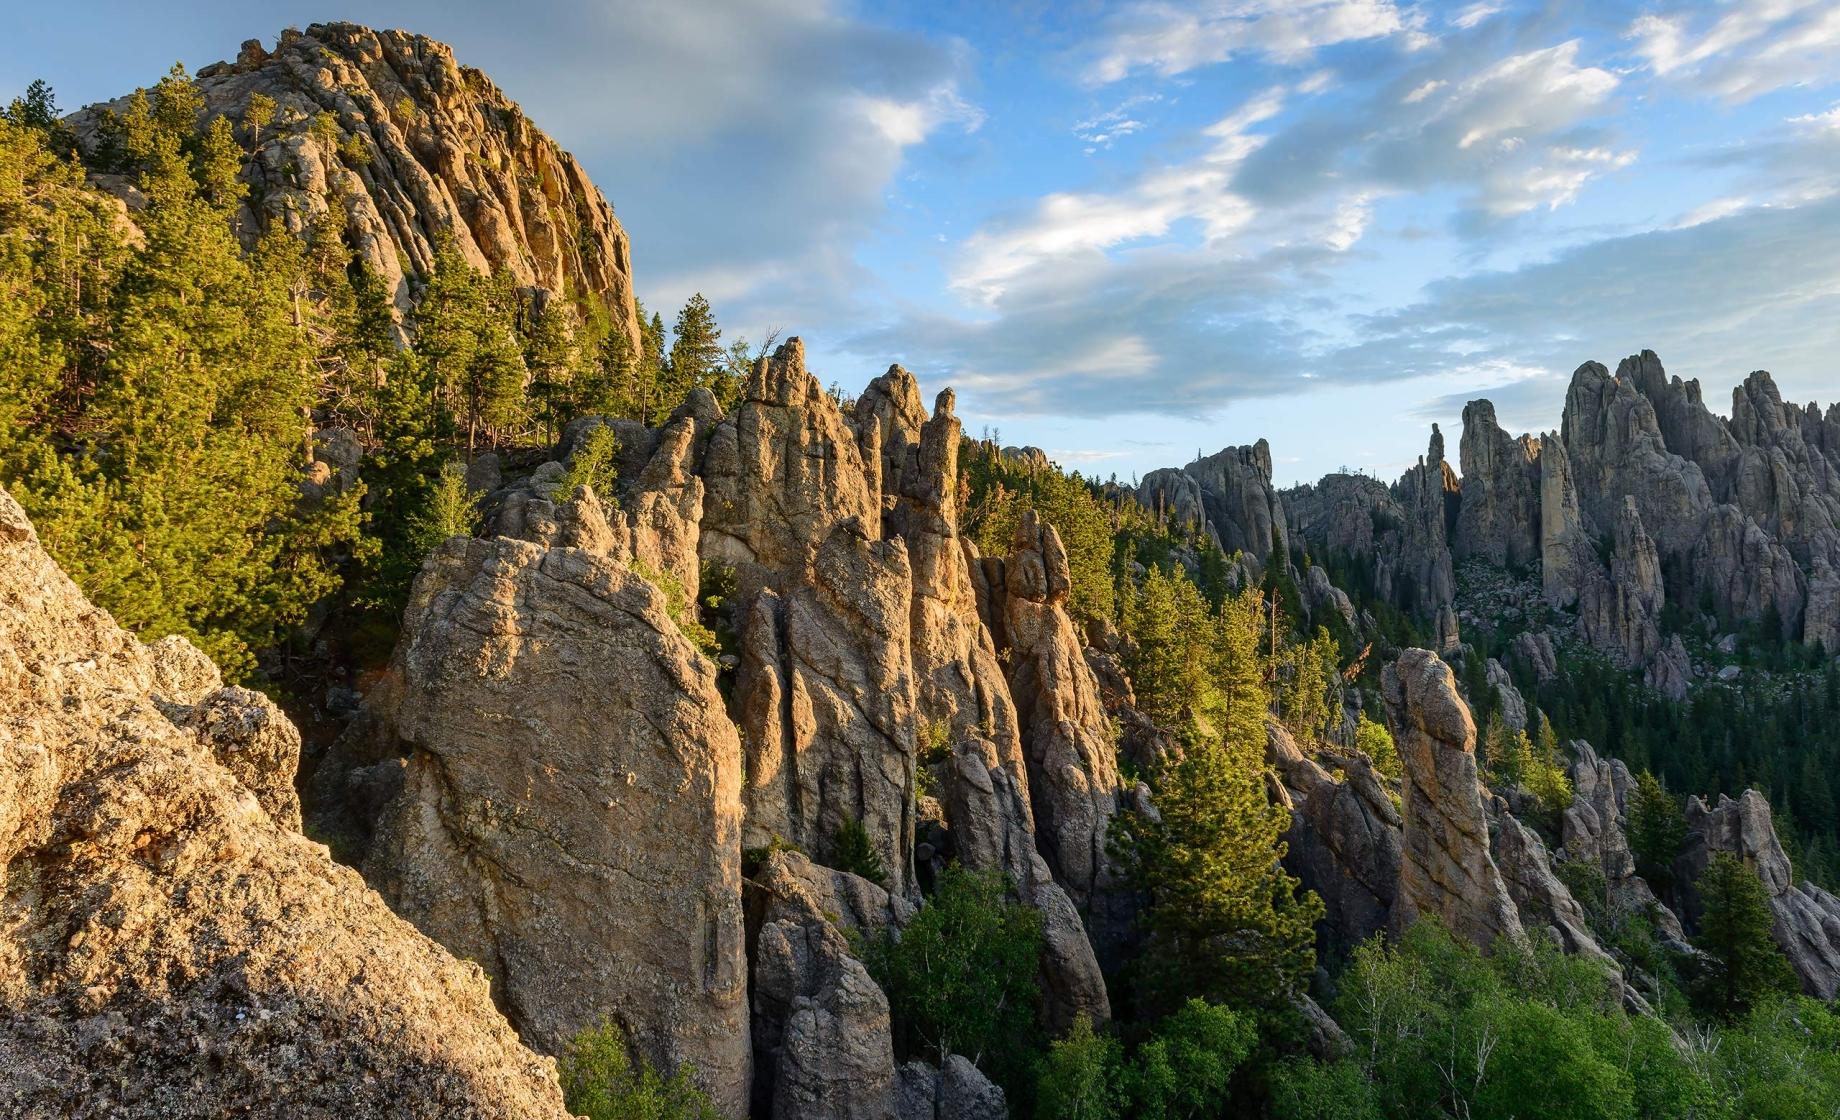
(1133, 233)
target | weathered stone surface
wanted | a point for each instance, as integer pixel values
(1619, 612)
(1328, 600)
(421, 147)
(1344, 839)
(1425, 495)
(1536, 651)
(591, 865)
(1229, 496)
(1513, 704)
(958, 1092)
(1593, 832)
(1542, 899)
(1446, 868)
(1066, 734)
(1499, 519)
(171, 942)
(826, 686)
(821, 1030)
(1807, 924)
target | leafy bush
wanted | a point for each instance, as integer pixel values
(601, 1080)
(594, 464)
(962, 978)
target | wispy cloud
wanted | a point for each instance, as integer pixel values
(1170, 38)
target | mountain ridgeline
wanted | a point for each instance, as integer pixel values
(651, 730)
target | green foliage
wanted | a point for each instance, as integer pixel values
(154, 391)
(1657, 830)
(1224, 919)
(962, 978)
(1745, 966)
(601, 1080)
(1308, 1089)
(697, 358)
(1185, 1070)
(854, 852)
(1374, 740)
(1511, 758)
(1078, 1079)
(999, 491)
(452, 510)
(1308, 680)
(1441, 1030)
(678, 604)
(595, 464)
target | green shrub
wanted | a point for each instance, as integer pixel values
(855, 853)
(963, 978)
(601, 1080)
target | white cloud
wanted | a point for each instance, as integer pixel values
(1067, 228)
(1169, 37)
(1746, 50)
(1474, 14)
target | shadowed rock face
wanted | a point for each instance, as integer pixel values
(420, 147)
(1230, 496)
(1344, 840)
(1499, 519)
(1446, 868)
(169, 933)
(1807, 924)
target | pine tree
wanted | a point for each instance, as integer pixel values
(1735, 933)
(697, 359)
(1657, 829)
(1225, 921)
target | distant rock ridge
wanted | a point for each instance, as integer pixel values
(420, 147)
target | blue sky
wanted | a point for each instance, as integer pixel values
(1131, 232)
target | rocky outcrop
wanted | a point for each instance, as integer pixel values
(1344, 841)
(822, 1036)
(1619, 611)
(171, 938)
(1807, 918)
(384, 137)
(1066, 734)
(1399, 534)
(957, 1091)
(1499, 518)
(590, 865)
(1229, 496)
(1513, 705)
(826, 689)
(1446, 868)
(1426, 495)
(1593, 831)
(1541, 899)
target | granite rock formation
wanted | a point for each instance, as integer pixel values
(1446, 868)
(419, 147)
(590, 865)
(168, 928)
(1807, 924)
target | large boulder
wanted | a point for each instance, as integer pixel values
(173, 947)
(571, 813)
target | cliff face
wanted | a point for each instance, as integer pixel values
(170, 929)
(411, 145)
